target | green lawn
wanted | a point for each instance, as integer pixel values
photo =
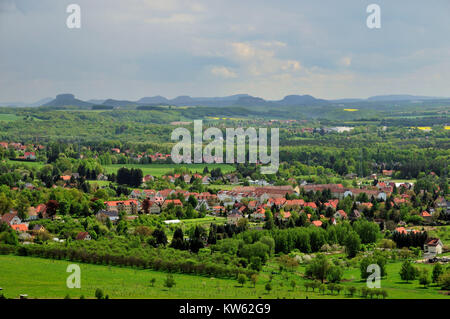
(37, 165)
(45, 278)
(162, 169)
(7, 117)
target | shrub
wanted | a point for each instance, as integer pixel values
(351, 291)
(242, 279)
(335, 274)
(98, 293)
(169, 282)
(444, 281)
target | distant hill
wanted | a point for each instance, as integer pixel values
(292, 100)
(399, 97)
(115, 103)
(236, 100)
(67, 100)
(22, 104)
(153, 100)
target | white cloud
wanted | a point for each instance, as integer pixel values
(173, 19)
(223, 72)
(345, 61)
(243, 50)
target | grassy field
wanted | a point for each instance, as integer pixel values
(162, 169)
(37, 165)
(45, 278)
(6, 117)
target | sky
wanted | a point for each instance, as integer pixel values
(135, 48)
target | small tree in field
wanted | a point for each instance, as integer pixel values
(408, 271)
(293, 284)
(437, 271)
(254, 280)
(351, 291)
(242, 279)
(98, 293)
(424, 278)
(169, 282)
(322, 288)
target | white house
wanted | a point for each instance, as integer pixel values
(433, 246)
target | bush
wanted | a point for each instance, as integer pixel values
(335, 274)
(98, 293)
(169, 282)
(444, 281)
(242, 279)
(351, 291)
(424, 278)
(364, 292)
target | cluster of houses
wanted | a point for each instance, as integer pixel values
(139, 156)
(187, 178)
(29, 155)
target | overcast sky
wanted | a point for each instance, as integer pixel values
(135, 48)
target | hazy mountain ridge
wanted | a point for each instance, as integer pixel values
(242, 100)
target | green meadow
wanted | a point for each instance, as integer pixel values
(162, 169)
(46, 278)
(7, 117)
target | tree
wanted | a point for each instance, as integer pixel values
(335, 274)
(146, 206)
(254, 279)
(268, 287)
(318, 268)
(408, 271)
(367, 231)
(178, 241)
(159, 236)
(52, 206)
(242, 279)
(169, 282)
(98, 293)
(444, 281)
(437, 272)
(293, 284)
(352, 244)
(351, 291)
(424, 278)
(196, 242)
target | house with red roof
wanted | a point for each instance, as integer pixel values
(317, 223)
(175, 202)
(65, 178)
(294, 204)
(311, 204)
(20, 227)
(259, 214)
(83, 236)
(426, 216)
(340, 214)
(11, 219)
(332, 203)
(31, 156)
(433, 246)
(130, 206)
